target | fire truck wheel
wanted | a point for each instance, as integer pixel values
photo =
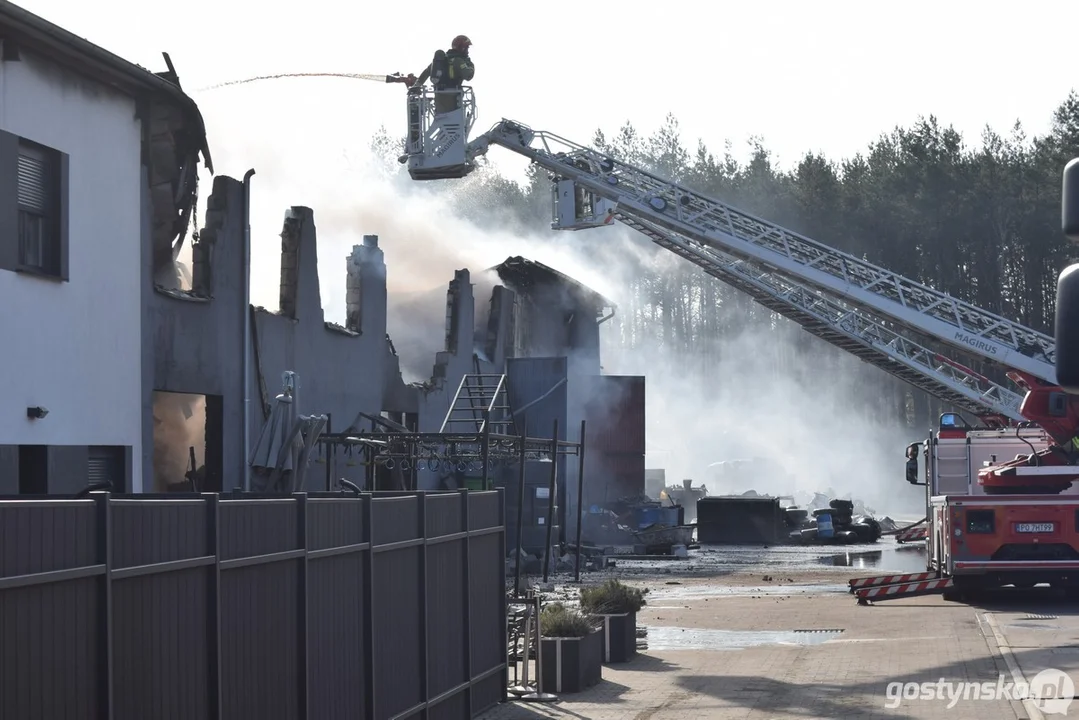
(954, 596)
(1070, 590)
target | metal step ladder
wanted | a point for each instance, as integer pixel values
(954, 469)
(481, 401)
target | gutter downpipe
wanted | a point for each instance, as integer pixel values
(247, 330)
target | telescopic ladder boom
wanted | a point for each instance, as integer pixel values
(865, 310)
(707, 222)
(853, 330)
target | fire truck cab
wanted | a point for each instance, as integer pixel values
(991, 540)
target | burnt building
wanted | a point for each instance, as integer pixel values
(133, 368)
(537, 327)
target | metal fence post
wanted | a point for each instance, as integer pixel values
(466, 498)
(369, 596)
(551, 496)
(105, 630)
(486, 449)
(520, 512)
(502, 592)
(424, 599)
(580, 503)
(213, 505)
(304, 588)
(329, 449)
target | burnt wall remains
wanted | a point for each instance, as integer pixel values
(351, 372)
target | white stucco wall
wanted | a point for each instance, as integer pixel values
(75, 347)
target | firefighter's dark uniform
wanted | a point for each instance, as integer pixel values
(459, 70)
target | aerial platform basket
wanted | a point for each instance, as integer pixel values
(439, 123)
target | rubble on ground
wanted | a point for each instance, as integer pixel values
(559, 564)
(817, 500)
(805, 517)
(627, 526)
(638, 525)
(887, 524)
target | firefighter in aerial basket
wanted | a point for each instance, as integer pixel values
(448, 71)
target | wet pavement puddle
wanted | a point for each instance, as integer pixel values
(710, 591)
(676, 638)
(1032, 626)
(895, 559)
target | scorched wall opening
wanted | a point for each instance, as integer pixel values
(187, 447)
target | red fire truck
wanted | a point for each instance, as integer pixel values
(998, 513)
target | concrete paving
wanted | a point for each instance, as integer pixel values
(798, 646)
(1038, 637)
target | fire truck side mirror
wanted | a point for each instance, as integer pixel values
(912, 463)
(1067, 309)
(1067, 330)
(1069, 201)
(912, 471)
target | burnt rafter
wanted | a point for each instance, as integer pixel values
(177, 135)
(526, 275)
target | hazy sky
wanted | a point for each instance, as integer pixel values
(826, 76)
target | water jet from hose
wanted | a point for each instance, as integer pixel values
(396, 77)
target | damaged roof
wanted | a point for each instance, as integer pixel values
(524, 273)
(21, 28)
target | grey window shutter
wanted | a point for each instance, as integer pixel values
(9, 203)
(33, 181)
(106, 464)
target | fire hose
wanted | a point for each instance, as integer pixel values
(908, 527)
(393, 78)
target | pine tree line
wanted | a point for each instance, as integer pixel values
(979, 222)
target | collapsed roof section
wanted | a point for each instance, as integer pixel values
(524, 275)
(174, 133)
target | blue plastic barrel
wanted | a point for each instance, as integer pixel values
(824, 526)
(647, 516)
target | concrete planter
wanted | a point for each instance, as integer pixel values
(619, 637)
(571, 665)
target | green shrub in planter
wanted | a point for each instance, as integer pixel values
(617, 605)
(571, 649)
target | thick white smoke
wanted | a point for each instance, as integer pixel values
(736, 406)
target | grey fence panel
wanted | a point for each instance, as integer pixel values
(447, 598)
(487, 600)
(233, 607)
(162, 559)
(398, 551)
(339, 643)
(52, 557)
(262, 629)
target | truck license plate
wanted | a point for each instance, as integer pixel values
(1034, 527)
